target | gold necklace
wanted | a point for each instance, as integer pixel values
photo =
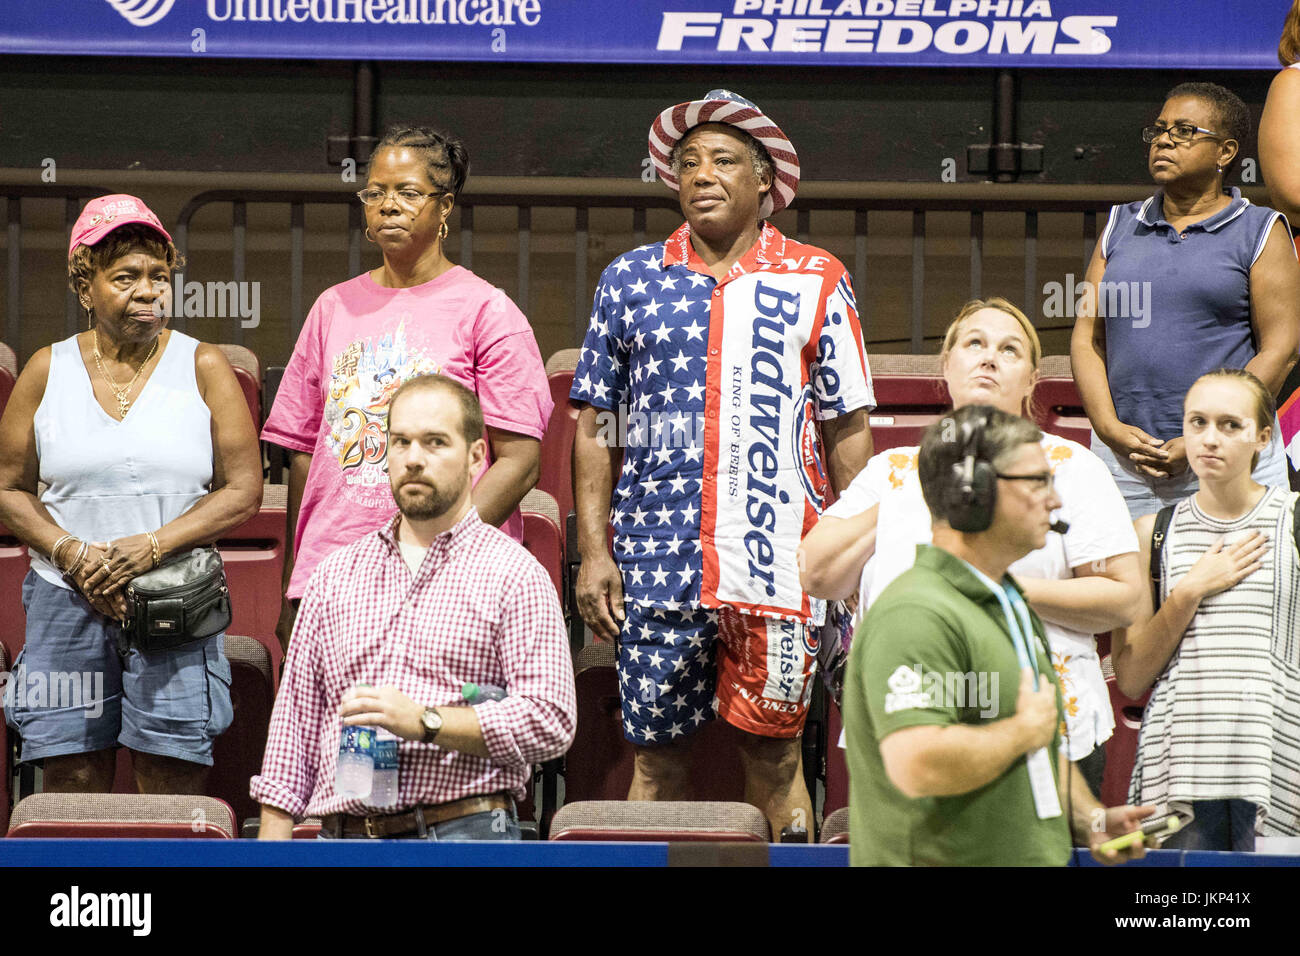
(121, 392)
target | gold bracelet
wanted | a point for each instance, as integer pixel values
(157, 551)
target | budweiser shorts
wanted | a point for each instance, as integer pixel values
(677, 669)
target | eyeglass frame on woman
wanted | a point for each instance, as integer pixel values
(1156, 132)
(1046, 480)
(405, 203)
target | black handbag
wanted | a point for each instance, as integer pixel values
(181, 601)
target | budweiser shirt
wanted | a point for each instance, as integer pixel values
(714, 390)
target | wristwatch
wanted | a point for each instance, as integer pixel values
(432, 721)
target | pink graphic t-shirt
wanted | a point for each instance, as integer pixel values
(360, 342)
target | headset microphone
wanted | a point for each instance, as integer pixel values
(1059, 526)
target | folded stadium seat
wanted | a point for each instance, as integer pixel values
(836, 827)
(557, 444)
(14, 565)
(248, 372)
(599, 764)
(254, 557)
(660, 822)
(837, 768)
(543, 535)
(1060, 409)
(910, 394)
(77, 816)
(1121, 749)
(309, 829)
(237, 754)
(6, 781)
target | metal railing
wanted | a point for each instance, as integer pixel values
(527, 196)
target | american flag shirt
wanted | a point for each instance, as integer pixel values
(714, 390)
(479, 609)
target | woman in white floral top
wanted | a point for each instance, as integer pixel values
(1081, 583)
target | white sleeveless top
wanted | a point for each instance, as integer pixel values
(109, 479)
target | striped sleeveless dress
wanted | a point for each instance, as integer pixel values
(1223, 721)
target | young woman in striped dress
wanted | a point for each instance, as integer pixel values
(1221, 732)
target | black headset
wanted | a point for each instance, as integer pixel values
(974, 488)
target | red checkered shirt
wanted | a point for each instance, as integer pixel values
(479, 609)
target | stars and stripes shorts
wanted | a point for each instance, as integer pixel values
(675, 674)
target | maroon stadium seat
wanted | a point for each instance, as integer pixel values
(910, 394)
(556, 477)
(14, 565)
(660, 821)
(77, 816)
(248, 372)
(254, 557)
(237, 753)
(1060, 409)
(1121, 749)
(599, 764)
(543, 537)
(837, 769)
(836, 827)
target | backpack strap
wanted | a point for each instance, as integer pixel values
(1158, 534)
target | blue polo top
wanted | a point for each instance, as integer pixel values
(1176, 305)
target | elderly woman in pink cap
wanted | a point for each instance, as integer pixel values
(120, 446)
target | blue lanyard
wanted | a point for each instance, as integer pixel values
(1009, 597)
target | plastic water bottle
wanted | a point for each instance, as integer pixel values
(383, 788)
(356, 767)
(478, 693)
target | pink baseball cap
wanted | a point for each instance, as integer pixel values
(103, 214)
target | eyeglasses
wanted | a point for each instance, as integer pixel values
(1178, 133)
(407, 197)
(1043, 480)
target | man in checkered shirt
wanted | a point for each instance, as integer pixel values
(392, 627)
(723, 379)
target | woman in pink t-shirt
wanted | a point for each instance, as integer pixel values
(418, 313)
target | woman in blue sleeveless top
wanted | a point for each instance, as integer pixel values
(1192, 279)
(120, 446)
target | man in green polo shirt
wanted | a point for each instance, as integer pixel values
(951, 707)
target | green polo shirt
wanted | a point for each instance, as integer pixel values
(935, 649)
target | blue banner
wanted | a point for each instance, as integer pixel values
(1132, 34)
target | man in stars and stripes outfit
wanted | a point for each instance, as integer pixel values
(723, 379)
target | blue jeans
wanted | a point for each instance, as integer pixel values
(489, 825)
(1218, 825)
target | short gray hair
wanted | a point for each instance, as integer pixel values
(987, 432)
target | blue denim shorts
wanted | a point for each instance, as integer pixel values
(71, 692)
